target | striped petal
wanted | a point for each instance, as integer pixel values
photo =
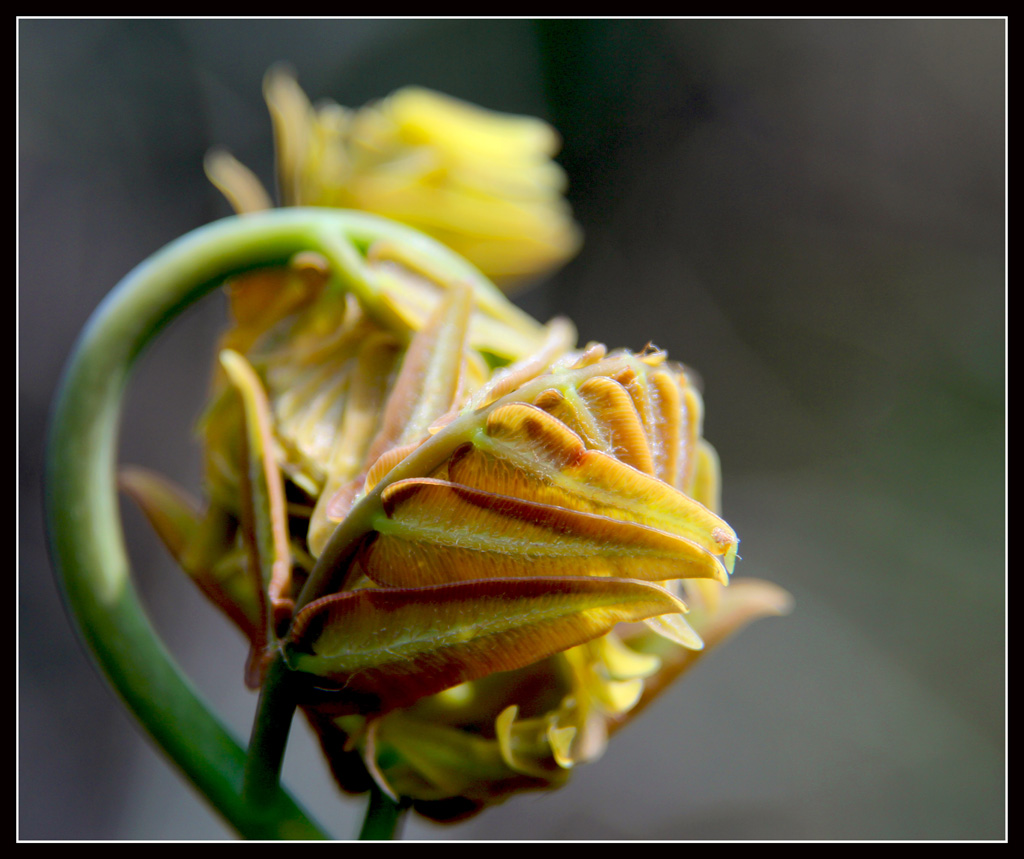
(433, 531)
(430, 382)
(529, 454)
(264, 515)
(387, 648)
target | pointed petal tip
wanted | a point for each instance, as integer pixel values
(676, 628)
(778, 601)
(724, 537)
(173, 512)
(761, 598)
(561, 740)
(749, 599)
(372, 764)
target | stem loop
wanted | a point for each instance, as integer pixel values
(83, 520)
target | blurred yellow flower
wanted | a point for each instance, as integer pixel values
(482, 183)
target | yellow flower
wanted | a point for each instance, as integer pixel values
(478, 548)
(513, 543)
(483, 183)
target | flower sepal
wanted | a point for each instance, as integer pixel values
(385, 648)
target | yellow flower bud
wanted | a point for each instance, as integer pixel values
(475, 544)
(533, 533)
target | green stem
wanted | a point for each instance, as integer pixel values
(85, 534)
(269, 735)
(383, 817)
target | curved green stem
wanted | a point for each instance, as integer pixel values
(383, 817)
(86, 539)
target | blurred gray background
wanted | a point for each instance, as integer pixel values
(811, 213)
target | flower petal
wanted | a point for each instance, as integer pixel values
(172, 512)
(264, 514)
(527, 453)
(203, 545)
(621, 432)
(387, 648)
(430, 381)
(359, 424)
(237, 182)
(433, 531)
(744, 601)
